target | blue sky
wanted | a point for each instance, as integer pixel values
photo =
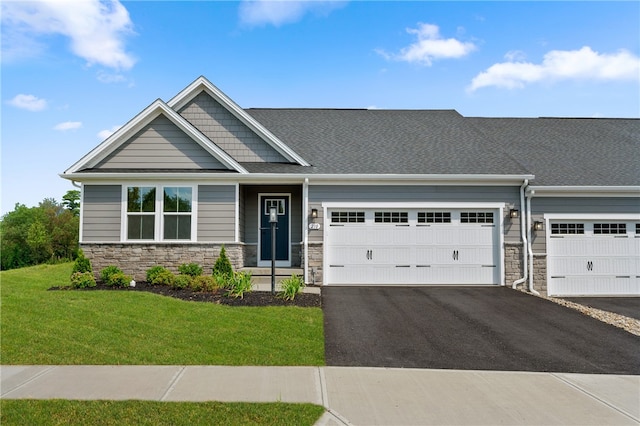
(72, 72)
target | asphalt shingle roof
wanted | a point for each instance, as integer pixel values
(558, 151)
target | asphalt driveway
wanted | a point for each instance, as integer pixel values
(469, 328)
(627, 306)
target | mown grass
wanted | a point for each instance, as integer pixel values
(64, 412)
(137, 328)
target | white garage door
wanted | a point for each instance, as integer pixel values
(412, 246)
(593, 258)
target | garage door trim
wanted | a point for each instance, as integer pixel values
(499, 222)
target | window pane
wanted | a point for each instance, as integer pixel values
(140, 227)
(177, 227)
(184, 199)
(170, 199)
(141, 199)
(184, 227)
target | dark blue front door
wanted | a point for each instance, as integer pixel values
(281, 203)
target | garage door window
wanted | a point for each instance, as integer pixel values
(434, 217)
(391, 217)
(609, 228)
(637, 228)
(567, 228)
(347, 217)
(476, 217)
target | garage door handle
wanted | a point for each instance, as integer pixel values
(455, 255)
(488, 266)
(589, 266)
(623, 276)
(423, 266)
(336, 266)
(403, 266)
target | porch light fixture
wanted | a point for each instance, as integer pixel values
(314, 213)
(537, 225)
(514, 213)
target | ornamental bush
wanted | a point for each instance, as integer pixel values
(204, 283)
(154, 271)
(291, 287)
(82, 264)
(106, 273)
(82, 280)
(222, 265)
(119, 279)
(191, 269)
(165, 277)
(182, 281)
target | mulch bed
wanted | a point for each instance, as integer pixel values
(253, 298)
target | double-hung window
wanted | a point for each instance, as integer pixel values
(159, 213)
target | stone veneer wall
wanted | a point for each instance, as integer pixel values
(135, 259)
(315, 262)
(540, 273)
(513, 267)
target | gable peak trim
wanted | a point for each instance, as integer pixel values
(202, 84)
(150, 113)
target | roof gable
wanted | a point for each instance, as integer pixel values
(112, 150)
(228, 132)
(186, 96)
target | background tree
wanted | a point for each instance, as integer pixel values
(71, 201)
(32, 235)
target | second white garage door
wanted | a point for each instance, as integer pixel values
(413, 246)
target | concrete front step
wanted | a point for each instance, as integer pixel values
(261, 278)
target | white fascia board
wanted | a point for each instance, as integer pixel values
(200, 84)
(150, 113)
(262, 178)
(584, 191)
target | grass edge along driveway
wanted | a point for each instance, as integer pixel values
(41, 327)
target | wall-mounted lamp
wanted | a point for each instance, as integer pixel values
(514, 213)
(537, 225)
(314, 213)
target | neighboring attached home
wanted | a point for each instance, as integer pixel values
(379, 197)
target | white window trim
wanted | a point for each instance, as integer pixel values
(159, 214)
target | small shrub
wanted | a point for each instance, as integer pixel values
(182, 281)
(165, 277)
(204, 283)
(82, 280)
(291, 287)
(239, 284)
(119, 279)
(222, 280)
(191, 269)
(223, 265)
(82, 264)
(106, 273)
(154, 271)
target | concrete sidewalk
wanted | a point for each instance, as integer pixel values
(358, 396)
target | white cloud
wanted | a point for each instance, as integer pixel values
(96, 29)
(28, 102)
(429, 46)
(104, 134)
(68, 125)
(280, 12)
(583, 64)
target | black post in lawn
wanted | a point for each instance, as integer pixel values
(273, 220)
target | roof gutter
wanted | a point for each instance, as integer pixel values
(335, 179)
(586, 191)
(524, 220)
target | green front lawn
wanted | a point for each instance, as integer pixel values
(118, 327)
(61, 412)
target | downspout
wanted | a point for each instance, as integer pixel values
(305, 227)
(529, 244)
(523, 232)
(74, 183)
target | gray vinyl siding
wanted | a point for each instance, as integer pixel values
(101, 213)
(435, 194)
(251, 224)
(228, 132)
(592, 205)
(160, 145)
(216, 213)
